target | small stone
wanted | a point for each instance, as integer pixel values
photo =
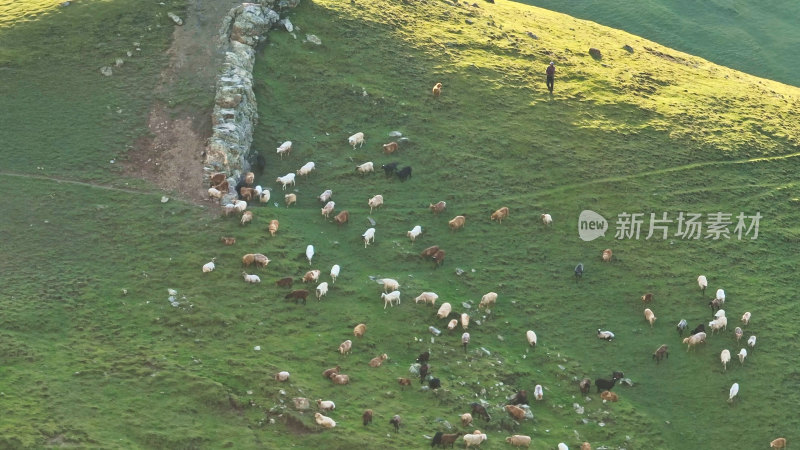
(164, 199)
(257, 348)
(287, 24)
(469, 21)
(395, 134)
(118, 62)
(175, 18)
(466, 305)
(106, 70)
(313, 39)
(628, 48)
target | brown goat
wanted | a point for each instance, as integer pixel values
(438, 207)
(389, 148)
(228, 240)
(515, 411)
(659, 354)
(367, 417)
(341, 218)
(429, 252)
(500, 214)
(647, 298)
(248, 259)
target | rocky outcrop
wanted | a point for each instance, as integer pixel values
(235, 111)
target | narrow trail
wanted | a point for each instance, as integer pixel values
(78, 183)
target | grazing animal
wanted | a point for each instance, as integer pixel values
(228, 240)
(562, 446)
(390, 298)
(251, 278)
(273, 227)
(246, 193)
(239, 205)
(500, 214)
(746, 318)
(248, 259)
(725, 358)
(327, 209)
(282, 376)
(330, 372)
(778, 443)
(359, 330)
(423, 372)
(718, 324)
(520, 398)
(660, 353)
(606, 385)
(579, 272)
(647, 298)
(325, 196)
(214, 193)
(424, 357)
(464, 321)
(310, 255)
(297, 295)
(260, 260)
(698, 329)
(264, 197)
(444, 310)
(285, 148)
(703, 283)
(322, 289)
(585, 385)
(396, 421)
(335, 273)
(519, 440)
(452, 324)
(375, 202)
(285, 282)
(751, 342)
(530, 336)
(390, 284)
(209, 266)
(290, 199)
(609, 396)
(437, 90)
(538, 392)
(607, 255)
(742, 355)
(286, 180)
(586, 446)
(306, 168)
(342, 218)
(720, 295)
(345, 347)
(389, 148)
(738, 332)
(404, 173)
(474, 439)
(429, 252)
(356, 139)
(681, 326)
(733, 392)
(369, 237)
(366, 418)
(340, 379)
(547, 219)
(446, 439)
(438, 207)
(456, 223)
(378, 360)
(465, 341)
(414, 232)
(694, 339)
(365, 168)
(402, 381)
(515, 411)
(325, 405)
(311, 275)
(389, 169)
(434, 383)
(247, 217)
(605, 334)
(479, 410)
(715, 304)
(427, 297)
(719, 313)
(488, 300)
(466, 419)
(438, 257)
(324, 421)
(249, 178)
(649, 316)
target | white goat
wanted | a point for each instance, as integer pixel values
(390, 298)
(209, 266)
(369, 236)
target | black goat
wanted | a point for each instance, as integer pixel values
(389, 169)
(520, 398)
(437, 439)
(578, 272)
(423, 372)
(479, 410)
(423, 357)
(434, 383)
(404, 173)
(606, 385)
(699, 328)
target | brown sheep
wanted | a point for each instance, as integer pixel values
(515, 411)
(340, 379)
(457, 222)
(273, 227)
(389, 148)
(429, 252)
(285, 282)
(327, 373)
(585, 385)
(246, 193)
(345, 347)
(500, 214)
(403, 381)
(662, 352)
(311, 275)
(297, 295)
(341, 218)
(228, 240)
(359, 330)
(249, 178)
(466, 420)
(437, 90)
(290, 199)
(438, 257)
(247, 217)
(378, 360)
(778, 443)
(367, 417)
(647, 298)
(217, 178)
(609, 396)
(438, 207)
(607, 254)
(248, 259)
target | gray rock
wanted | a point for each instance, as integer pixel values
(469, 21)
(395, 134)
(287, 25)
(628, 48)
(106, 70)
(595, 53)
(532, 36)
(313, 39)
(178, 21)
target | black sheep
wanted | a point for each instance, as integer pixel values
(404, 173)
(434, 383)
(389, 169)
(437, 439)
(480, 410)
(520, 398)
(699, 328)
(606, 385)
(423, 357)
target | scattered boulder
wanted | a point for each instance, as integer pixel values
(532, 36)
(287, 25)
(313, 39)
(469, 21)
(595, 53)
(106, 70)
(627, 48)
(175, 18)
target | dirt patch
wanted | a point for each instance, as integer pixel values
(172, 155)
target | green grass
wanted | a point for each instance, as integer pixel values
(760, 38)
(87, 366)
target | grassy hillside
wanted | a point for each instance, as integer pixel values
(760, 38)
(653, 131)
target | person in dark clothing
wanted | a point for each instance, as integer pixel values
(551, 74)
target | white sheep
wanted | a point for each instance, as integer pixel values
(240, 205)
(345, 347)
(414, 232)
(427, 297)
(264, 197)
(366, 167)
(369, 236)
(538, 392)
(390, 284)
(694, 339)
(746, 318)
(328, 209)
(324, 421)
(356, 139)
(306, 168)
(719, 313)
(335, 272)
(488, 300)
(519, 440)
(531, 338)
(703, 283)
(375, 202)
(326, 405)
(562, 446)
(390, 298)
(547, 219)
(649, 316)
(309, 253)
(258, 190)
(214, 193)
(720, 295)
(751, 342)
(742, 355)
(282, 376)
(474, 439)
(718, 324)
(444, 310)
(286, 180)
(285, 148)
(209, 266)
(464, 321)
(452, 324)
(734, 390)
(325, 196)
(605, 334)
(322, 289)
(251, 278)
(725, 358)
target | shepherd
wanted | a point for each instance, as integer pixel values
(551, 75)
